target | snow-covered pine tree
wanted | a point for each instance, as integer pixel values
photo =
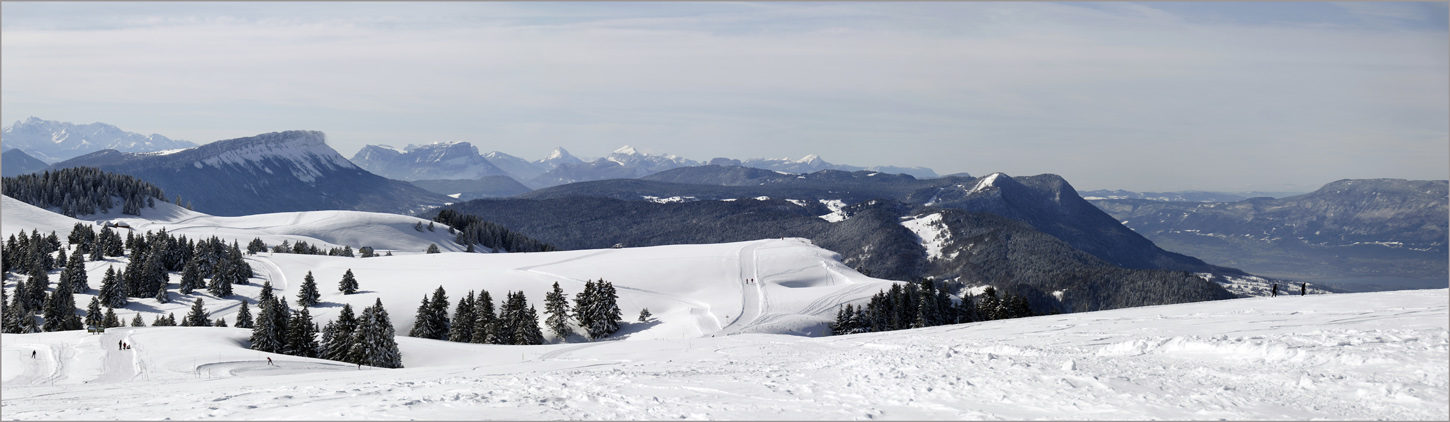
(349, 284)
(190, 277)
(244, 317)
(220, 322)
(281, 315)
(438, 314)
(308, 295)
(36, 288)
(422, 328)
(339, 346)
(198, 317)
(373, 342)
(529, 332)
(60, 259)
(75, 274)
(93, 312)
(266, 295)
(302, 335)
(162, 296)
(60, 309)
(432, 248)
(609, 315)
(507, 323)
(556, 304)
(110, 293)
(586, 307)
(10, 322)
(20, 301)
(483, 318)
(110, 320)
(28, 324)
(264, 333)
(461, 327)
(328, 335)
(644, 315)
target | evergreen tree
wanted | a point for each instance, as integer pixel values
(220, 322)
(161, 294)
(373, 342)
(461, 328)
(585, 307)
(556, 304)
(990, 306)
(338, 345)
(266, 295)
(190, 277)
(75, 274)
(608, 315)
(110, 320)
(60, 309)
(349, 284)
(308, 295)
(529, 332)
(198, 317)
(93, 313)
(10, 321)
(265, 336)
(28, 324)
(421, 326)
(244, 316)
(302, 335)
(20, 302)
(483, 318)
(36, 288)
(137, 321)
(432, 248)
(438, 314)
(644, 315)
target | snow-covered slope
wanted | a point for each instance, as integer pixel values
(280, 171)
(1339, 357)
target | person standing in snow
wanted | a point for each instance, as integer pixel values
(1303, 288)
(269, 361)
(1275, 292)
(32, 354)
(120, 345)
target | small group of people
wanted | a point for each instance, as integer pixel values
(121, 345)
(1303, 289)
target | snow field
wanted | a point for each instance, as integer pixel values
(1316, 357)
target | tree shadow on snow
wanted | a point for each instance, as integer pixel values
(629, 328)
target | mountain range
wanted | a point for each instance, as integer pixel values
(53, 141)
(1348, 230)
(461, 160)
(272, 172)
(1184, 196)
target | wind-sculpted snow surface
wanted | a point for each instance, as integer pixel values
(1350, 356)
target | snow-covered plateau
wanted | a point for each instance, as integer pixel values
(719, 345)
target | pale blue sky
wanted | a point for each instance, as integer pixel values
(1229, 96)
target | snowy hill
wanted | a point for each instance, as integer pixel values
(1339, 357)
(694, 290)
(54, 141)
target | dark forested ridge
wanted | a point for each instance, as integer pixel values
(466, 189)
(83, 191)
(1046, 202)
(15, 162)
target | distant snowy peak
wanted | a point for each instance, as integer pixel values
(812, 159)
(987, 182)
(644, 164)
(55, 141)
(556, 158)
